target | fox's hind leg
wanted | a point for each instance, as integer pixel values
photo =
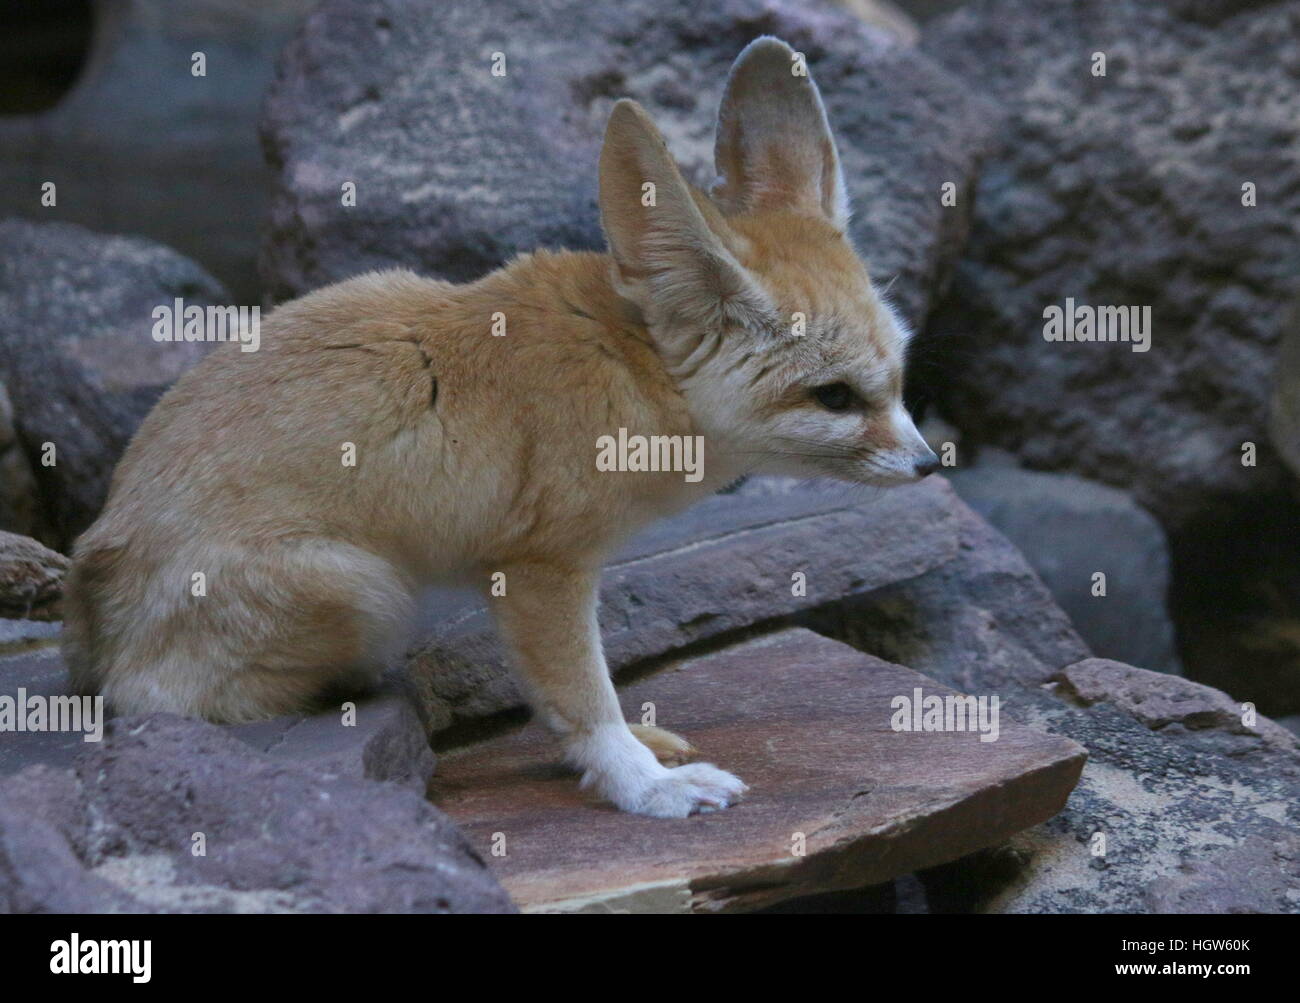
(276, 627)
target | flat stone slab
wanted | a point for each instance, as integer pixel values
(806, 722)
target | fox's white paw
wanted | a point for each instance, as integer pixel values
(685, 790)
(624, 771)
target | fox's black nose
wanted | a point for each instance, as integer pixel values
(927, 466)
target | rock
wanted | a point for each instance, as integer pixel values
(19, 512)
(39, 873)
(77, 352)
(31, 579)
(1284, 425)
(1164, 703)
(726, 564)
(275, 837)
(1257, 876)
(981, 621)
(1068, 529)
(141, 144)
(1148, 803)
(31, 667)
(806, 723)
(984, 622)
(378, 737)
(457, 170)
(1126, 190)
(24, 635)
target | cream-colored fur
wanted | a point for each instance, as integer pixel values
(476, 454)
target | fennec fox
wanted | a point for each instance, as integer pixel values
(477, 454)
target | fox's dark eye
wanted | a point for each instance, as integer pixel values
(835, 396)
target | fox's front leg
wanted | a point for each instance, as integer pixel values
(548, 617)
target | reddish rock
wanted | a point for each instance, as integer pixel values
(806, 722)
(1160, 700)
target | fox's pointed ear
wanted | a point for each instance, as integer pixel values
(774, 148)
(668, 258)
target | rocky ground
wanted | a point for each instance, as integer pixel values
(1070, 460)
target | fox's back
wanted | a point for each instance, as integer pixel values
(457, 409)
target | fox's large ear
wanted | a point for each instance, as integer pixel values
(774, 148)
(668, 259)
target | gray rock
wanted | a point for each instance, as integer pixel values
(1198, 787)
(22, 635)
(1126, 190)
(377, 737)
(140, 145)
(1284, 424)
(276, 837)
(78, 356)
(1257, 876)
(981, 621)
(457, 170)
(33, 668)
(1068, 529)
(19, 511)
(39, 873)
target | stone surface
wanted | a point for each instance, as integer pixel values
(1126, 190)
(38, 671)
(141, 145)
(376, 737)
(806, 723)
(77, 352)
(19, 511)
(1150, 805)
(1162, 799)
(1164, 703)
(982, 621)
(885, 15)
(457, 170)
(277, 837)
(721, 566)
(31, 579)
(1284, 419)
(1068, 529)
(22, 635)
(1257, 876)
